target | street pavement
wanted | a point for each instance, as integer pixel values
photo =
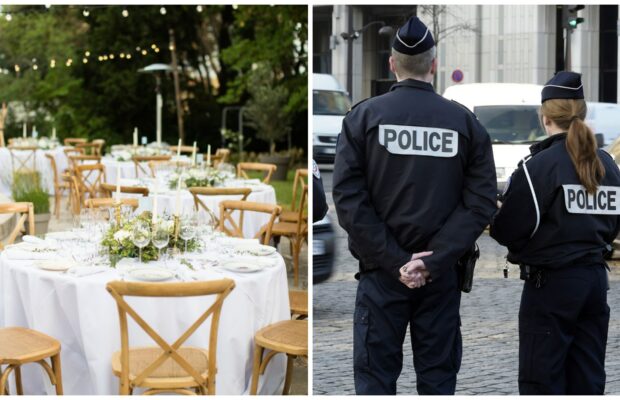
(489, 326)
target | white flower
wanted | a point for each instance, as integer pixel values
(122, 235)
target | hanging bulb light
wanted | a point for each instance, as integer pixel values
(162, 10)
(17, 68)
(85, 60)
(111, 56)
(8, 17)
(122, 55)
(52, 63)
(85, 13)
(199, 8)
(156, 49)
(87, 53)
(129, 56)
(35, 67)
(125, 13)
(144, 52)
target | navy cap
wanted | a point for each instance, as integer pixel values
(413, 38)
(563, 85)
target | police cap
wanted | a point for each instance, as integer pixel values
(413, 38)
(563, 85)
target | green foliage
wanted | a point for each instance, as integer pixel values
(27, 187)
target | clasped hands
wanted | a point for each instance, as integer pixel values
(414, 274)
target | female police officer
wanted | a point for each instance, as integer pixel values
(560, 212)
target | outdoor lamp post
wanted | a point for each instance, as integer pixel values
(157, 70)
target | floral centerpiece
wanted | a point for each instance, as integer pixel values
(194, 177)
(118, 238)
(43, 143)
(126, 153)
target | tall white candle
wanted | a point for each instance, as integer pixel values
(194, 155)
(24, 130)
(34, 131)
(208, 155)
(53, 133)
(177, 207)
(179, 148)
(135, 137)
(118, 183)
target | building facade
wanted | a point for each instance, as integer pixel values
(476, 43)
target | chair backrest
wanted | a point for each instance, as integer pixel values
(2, 119)
(268, 169)
(90, 178)
(54, 169)
(138, 160)
(26, 211)
(100, 143)
(73, 141)
(82, 159)
(155, 165)
(302, 224)
(109, 189)
(216, 191)
(106, 202)
(221, 156)
(22, 156)
(301, 175)
(184, 149)
(231, 227)
(92, 149)
(219, 288)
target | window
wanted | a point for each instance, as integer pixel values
(511, 124)
(328, 102)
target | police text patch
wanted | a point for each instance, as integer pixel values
(606, 200)
(419, 140)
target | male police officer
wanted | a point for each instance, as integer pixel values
(414, 186)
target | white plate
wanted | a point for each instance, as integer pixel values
(151, 274)
(259, 250)
(240, 266)
(54, 265)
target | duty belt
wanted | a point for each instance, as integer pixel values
(537, 275)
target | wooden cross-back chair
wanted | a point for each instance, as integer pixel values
(268, 169)
(82, 159)
(138, 160)
(22, 156)
(231, 227)
(76, 193)
(100, 144)
(168, 367)
(59, 185)
(90, 177)
(295, 231)
(107, 202)
(92, 149)
(155, 165)
(184, 149)
(73, 141)
(301, 176)
(108, 189)
(26, 213)
(216, 191)
(221, 156)
(2, 119)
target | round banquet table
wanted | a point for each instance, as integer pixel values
(127, 168)
(42, 165)
(81, 314)
(252, 221)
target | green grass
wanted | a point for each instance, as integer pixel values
(284, 189)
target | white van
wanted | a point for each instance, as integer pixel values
(509, 112)
(330, 103)
(604, 118)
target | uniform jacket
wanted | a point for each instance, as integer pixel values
(557, 223)
(319, 204)
(413, 172)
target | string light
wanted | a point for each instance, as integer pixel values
(153, 46)
(69, 62)
(156, 49)
(85, 13)
(199, 8)
(8, 17)
(125, 13)
(162, 10)
(52, 63)
(129, 56)
(122, 55)
(85, 60)
(235, 6)
(48, 6)
(144, 52)
(87, 53)
(111, 56)
(35, 67)
(17, 68)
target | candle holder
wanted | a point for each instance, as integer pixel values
(117, 212)
(177, 228)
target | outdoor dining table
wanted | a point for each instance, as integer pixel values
(75, 308)
(42, 165)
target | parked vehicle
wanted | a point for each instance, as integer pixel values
(509, 112)
(604, 118)
(330, 103)
(322, 250)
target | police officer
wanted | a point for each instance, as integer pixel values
(414, 186)
(319, 204)
(560, 212)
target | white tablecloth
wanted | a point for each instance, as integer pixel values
(43, 165)
(82, 315)
(128, 168)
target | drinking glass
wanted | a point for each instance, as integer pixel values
(141, 236)
(187, 230)
(161, 237)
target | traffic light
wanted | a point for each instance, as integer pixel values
(573, 18)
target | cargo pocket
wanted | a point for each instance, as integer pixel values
(360, 337)
(535, 353)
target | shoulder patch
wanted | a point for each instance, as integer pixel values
(315, 170)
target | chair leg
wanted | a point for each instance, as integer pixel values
(57, 373)
(57, 203)
(258, 356)
(4, 379)
(296, 251)
(18, 381)
(289, 374)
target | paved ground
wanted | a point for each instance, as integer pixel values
(489, 319)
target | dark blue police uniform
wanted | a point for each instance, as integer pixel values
(413, 172)
(319, 204)
(559, 233)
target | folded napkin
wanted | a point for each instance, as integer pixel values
(85, 271)
(40, 244)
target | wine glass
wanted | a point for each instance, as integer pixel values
(141, 236)
(161, 237)
(187, 230)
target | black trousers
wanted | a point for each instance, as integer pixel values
(384, 307)
(563, 332)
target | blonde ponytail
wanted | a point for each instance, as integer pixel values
(581, 145)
